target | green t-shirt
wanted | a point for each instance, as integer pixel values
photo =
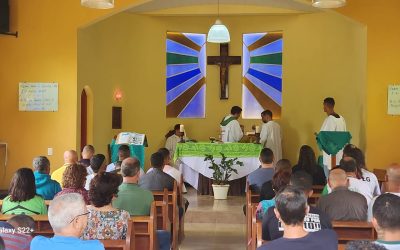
(135, 200)
(33, 206)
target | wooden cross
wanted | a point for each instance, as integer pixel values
(224, 61)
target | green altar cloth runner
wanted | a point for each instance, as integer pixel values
(231, 150)
(136, 151)
(331, 142)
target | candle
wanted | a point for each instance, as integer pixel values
(257, 129)
(181, 128)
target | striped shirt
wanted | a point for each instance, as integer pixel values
(16, 241)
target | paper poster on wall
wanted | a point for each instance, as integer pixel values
(394, 100)
(38, 96)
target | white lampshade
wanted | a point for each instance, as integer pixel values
(328, 4)
(218, 33)
(98, 4)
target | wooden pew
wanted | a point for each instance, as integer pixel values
(256, 229)
(181, 203)
(115, 244)
(162, 216)
(318, 189)
(252, 198)
(312, 201)
(173, 212)
(145, 230)
(354, 230)
(382, 178)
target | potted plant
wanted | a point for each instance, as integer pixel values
(221, 174)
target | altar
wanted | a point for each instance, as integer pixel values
(190, 159)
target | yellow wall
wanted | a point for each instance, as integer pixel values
(324, 55)
(383, 39)
(45, 51)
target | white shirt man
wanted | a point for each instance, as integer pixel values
(230, 127)
(270, 136)
(333, 122)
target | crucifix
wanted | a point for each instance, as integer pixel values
(224, 61)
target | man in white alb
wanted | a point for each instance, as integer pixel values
(333, 122)
(230, 127)
(270, 135)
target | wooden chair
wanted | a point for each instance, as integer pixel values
(354, 230)
(173, 212)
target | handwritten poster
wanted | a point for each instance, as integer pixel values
(394, 100)
(38, 96)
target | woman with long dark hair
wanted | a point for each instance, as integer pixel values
(308, 163)
(22, 198)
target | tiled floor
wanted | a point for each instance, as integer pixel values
(214, 224)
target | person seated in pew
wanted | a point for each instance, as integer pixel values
(291, 210)
(307, 162)
(363, 245)
(386, 220)
(74, 179)
(392, 185)
(123, 153)
(70, 158)
(263, 174)
(157, 180)
(87, 154)
(267, 192)
(362, 173)
(45, 186)
(68, 216)
(97, 164)
(315, 220)
(342, 204)
(130, 197)
(279, 181)
(22, 198)
(168, 169)
(104, 221)
(16, 232)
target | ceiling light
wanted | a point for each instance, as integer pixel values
(328, 4)
(98, 4)
(218, 33)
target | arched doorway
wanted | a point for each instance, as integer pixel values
(84, 118)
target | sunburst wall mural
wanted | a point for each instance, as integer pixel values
(262, 74)
(186, 75)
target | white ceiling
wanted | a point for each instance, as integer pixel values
(227, 7)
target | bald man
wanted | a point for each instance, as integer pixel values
(392, 185)
(70, 157)
(342, 204)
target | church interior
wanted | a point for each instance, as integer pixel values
(113, 75)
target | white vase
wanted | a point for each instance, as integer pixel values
(220, 191)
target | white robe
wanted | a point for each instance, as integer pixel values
(170, 144)
(332, 123)
(271, 137)
(232, 132)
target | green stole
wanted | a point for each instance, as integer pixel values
(227, 121)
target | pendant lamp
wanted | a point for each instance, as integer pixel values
(98, 4)
(328, 4)
(218, 33)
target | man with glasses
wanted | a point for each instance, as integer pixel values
(68, 218)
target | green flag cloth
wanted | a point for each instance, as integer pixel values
(231, 150)
(136, 151)
(227, 121)
(331, 142)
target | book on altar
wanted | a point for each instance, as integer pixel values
(131, 138)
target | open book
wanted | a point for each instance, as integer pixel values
(131, 138)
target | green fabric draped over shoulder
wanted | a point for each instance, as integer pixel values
(227, 121)
(331, 142)
(231, 150)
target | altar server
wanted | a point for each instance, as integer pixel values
(230, 127)
(270, 135)
(173, 137)
(333, 122)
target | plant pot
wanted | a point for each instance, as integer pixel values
(220, 191)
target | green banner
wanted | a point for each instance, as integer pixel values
(231, 150)
(332, 142)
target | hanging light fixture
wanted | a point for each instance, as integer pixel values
(98, 4)
(328, 4)
(218, 33)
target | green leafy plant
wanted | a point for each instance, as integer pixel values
(222, 171)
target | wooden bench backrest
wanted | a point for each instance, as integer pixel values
(145, 230)
(354, 230)
(173, 211)
(251, 199)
